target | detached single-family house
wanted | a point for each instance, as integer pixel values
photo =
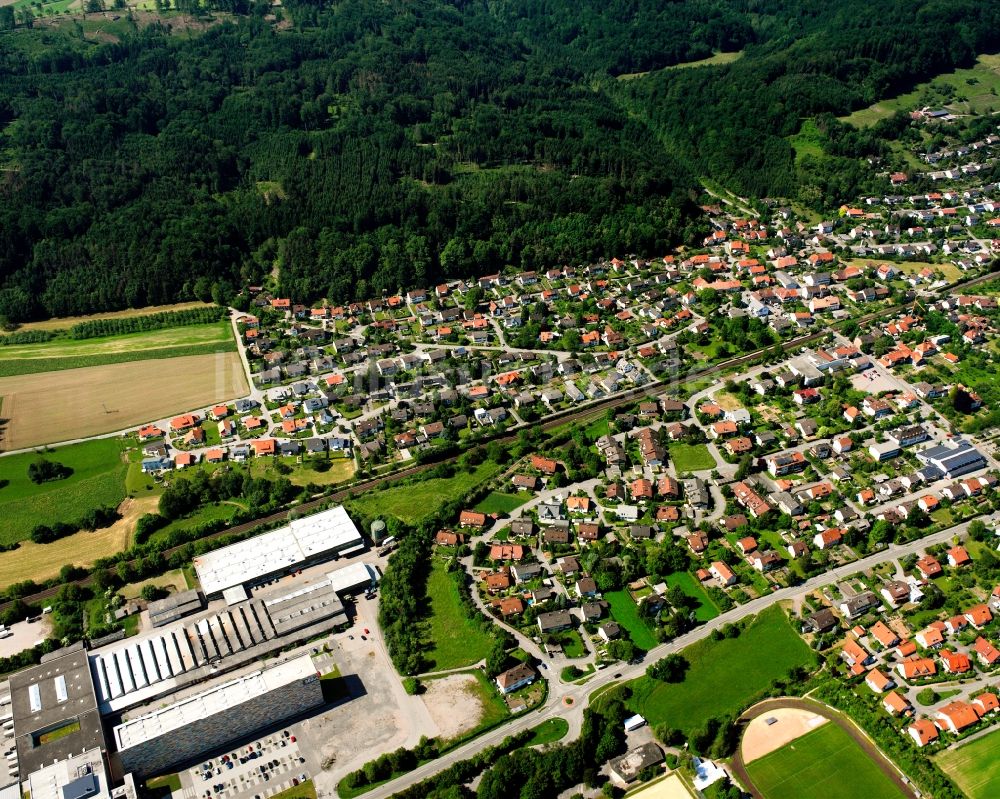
(517, 677)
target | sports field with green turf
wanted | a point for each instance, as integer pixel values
(975, 767)
(823, 764)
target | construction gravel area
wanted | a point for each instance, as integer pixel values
(453, 704)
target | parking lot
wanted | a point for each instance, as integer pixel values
(261, 768)
(24, 635)
(374, 714)
(379, 716)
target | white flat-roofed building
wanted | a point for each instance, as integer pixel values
(304, 607)
(83, 776)
(353, 578)
(184, 730)
(307, 540)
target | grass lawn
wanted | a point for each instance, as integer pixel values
(413, 502)
(162, 787)
(174, 581)
(949, 272)
(454, 641)
(98, 479)
(206, 513)
(341, 470)
(304, 790)
(728, 674)
(59, 732)
(815, 765)
(66, 322)
(713, 60)
(808, 141)
(96, 610)
(693, 386)
(137, 482)
(47, 8)
(626, 613)
(942, 516)
(572, 644)
(691, 458)
(975, 767)
(963, 91)
(717, 59)
(63, 353)
(597, 428)
(500, 502)
(212, 437)
(131, 625)
(548, 732)
(706, 609)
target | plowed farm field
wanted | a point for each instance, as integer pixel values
(48, 407)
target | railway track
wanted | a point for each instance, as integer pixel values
(551, 422)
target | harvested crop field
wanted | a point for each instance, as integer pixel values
(40, 562)
(48, 407)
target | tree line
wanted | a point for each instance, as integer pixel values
(99, 328)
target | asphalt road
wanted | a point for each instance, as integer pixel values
(577, 695)
(508, 436)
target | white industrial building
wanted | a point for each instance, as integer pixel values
(142, 668)
(353, 578)
(83, 776)
(311, 539)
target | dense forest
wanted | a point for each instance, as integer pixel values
(821, 57)
(368, 146)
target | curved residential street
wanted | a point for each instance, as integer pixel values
(568, 701)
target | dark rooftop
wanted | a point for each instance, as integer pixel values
(52, 696)
(175, 606)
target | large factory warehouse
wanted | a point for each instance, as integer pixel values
(150, 743)
(311, 539)
(206, 667)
